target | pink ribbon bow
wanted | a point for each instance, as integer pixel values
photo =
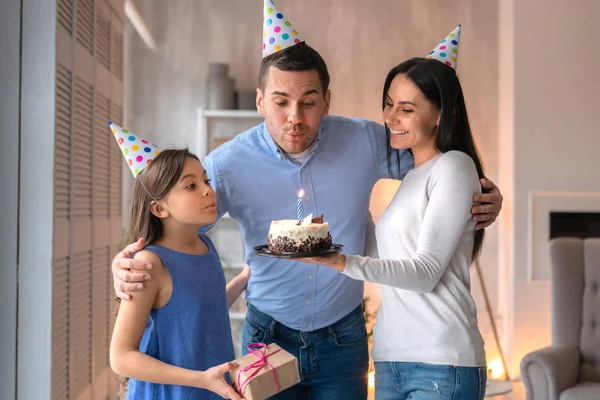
(259, 350)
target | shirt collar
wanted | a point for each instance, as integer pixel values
(277, 151)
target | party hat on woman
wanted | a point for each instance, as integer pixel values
(447, 50)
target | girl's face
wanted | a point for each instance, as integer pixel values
(409, 115)
(192, 201)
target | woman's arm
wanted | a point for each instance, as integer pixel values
(237, 285)
(127, 360)
(454, 183)
(371, 239)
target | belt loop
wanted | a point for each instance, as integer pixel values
(272, 326)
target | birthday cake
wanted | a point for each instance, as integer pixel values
(290, 236)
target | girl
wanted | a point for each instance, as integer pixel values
(426, 342)
(173, 339)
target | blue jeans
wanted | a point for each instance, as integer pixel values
(332, 361)
(420, 381)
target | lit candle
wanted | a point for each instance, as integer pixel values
(300, 196)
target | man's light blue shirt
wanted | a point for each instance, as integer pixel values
(257, 183)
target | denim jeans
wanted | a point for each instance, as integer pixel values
(420, 381)
(332, 361)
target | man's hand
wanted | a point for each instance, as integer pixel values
(128, 273)
(213, 379)
(490, 204)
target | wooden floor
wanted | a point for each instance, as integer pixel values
(518, 393)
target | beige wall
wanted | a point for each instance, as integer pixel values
(549, 137)
(359, 41)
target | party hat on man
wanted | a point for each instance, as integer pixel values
(278, 32)
(447, 50)
(137, 152)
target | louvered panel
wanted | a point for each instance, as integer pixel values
(82, 150)
(112, 304)
(60, 329)
(100, 312)
(80, 323)
(62, 145)
(102, 46)
(116, 163)
(65, 14)
(85, 23)
(102, 144)
(117, 53)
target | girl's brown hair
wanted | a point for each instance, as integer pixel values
(152, 184)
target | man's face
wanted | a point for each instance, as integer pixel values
(293, 104)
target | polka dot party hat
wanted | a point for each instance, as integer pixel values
(278, 33)
(137, 152)
(447, 50)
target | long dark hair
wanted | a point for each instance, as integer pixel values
(440, 85)
(153, 183)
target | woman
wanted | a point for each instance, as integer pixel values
(426, 343)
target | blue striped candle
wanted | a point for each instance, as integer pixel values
(300, 196)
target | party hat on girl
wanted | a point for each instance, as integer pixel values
(447, 50)
(278, 32)
(137, 152)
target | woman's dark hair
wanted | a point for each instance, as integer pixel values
(299, 57)
(153, 183)
(440, 85)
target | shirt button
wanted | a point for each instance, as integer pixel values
(307, 301)
(310, 277)
(305, 325)
(307, 197)
(279, 156)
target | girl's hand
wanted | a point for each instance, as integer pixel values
(336, 261)
(213, 379)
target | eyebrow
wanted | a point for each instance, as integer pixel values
(284, 94)
(407, 102)
(189, 176)
(401, 102)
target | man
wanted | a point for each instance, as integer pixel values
(312, 312)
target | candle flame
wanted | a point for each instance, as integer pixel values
(301, 193)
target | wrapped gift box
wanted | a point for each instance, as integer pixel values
(265, 371)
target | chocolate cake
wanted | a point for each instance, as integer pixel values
(291, 236)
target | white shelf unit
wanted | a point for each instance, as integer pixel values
(221, 124)
(217, 126)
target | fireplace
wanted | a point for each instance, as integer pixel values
(575, 224)
(558, 214)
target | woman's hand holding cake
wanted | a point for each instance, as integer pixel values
(335, 261)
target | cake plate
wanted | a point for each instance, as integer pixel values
(264, 251)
